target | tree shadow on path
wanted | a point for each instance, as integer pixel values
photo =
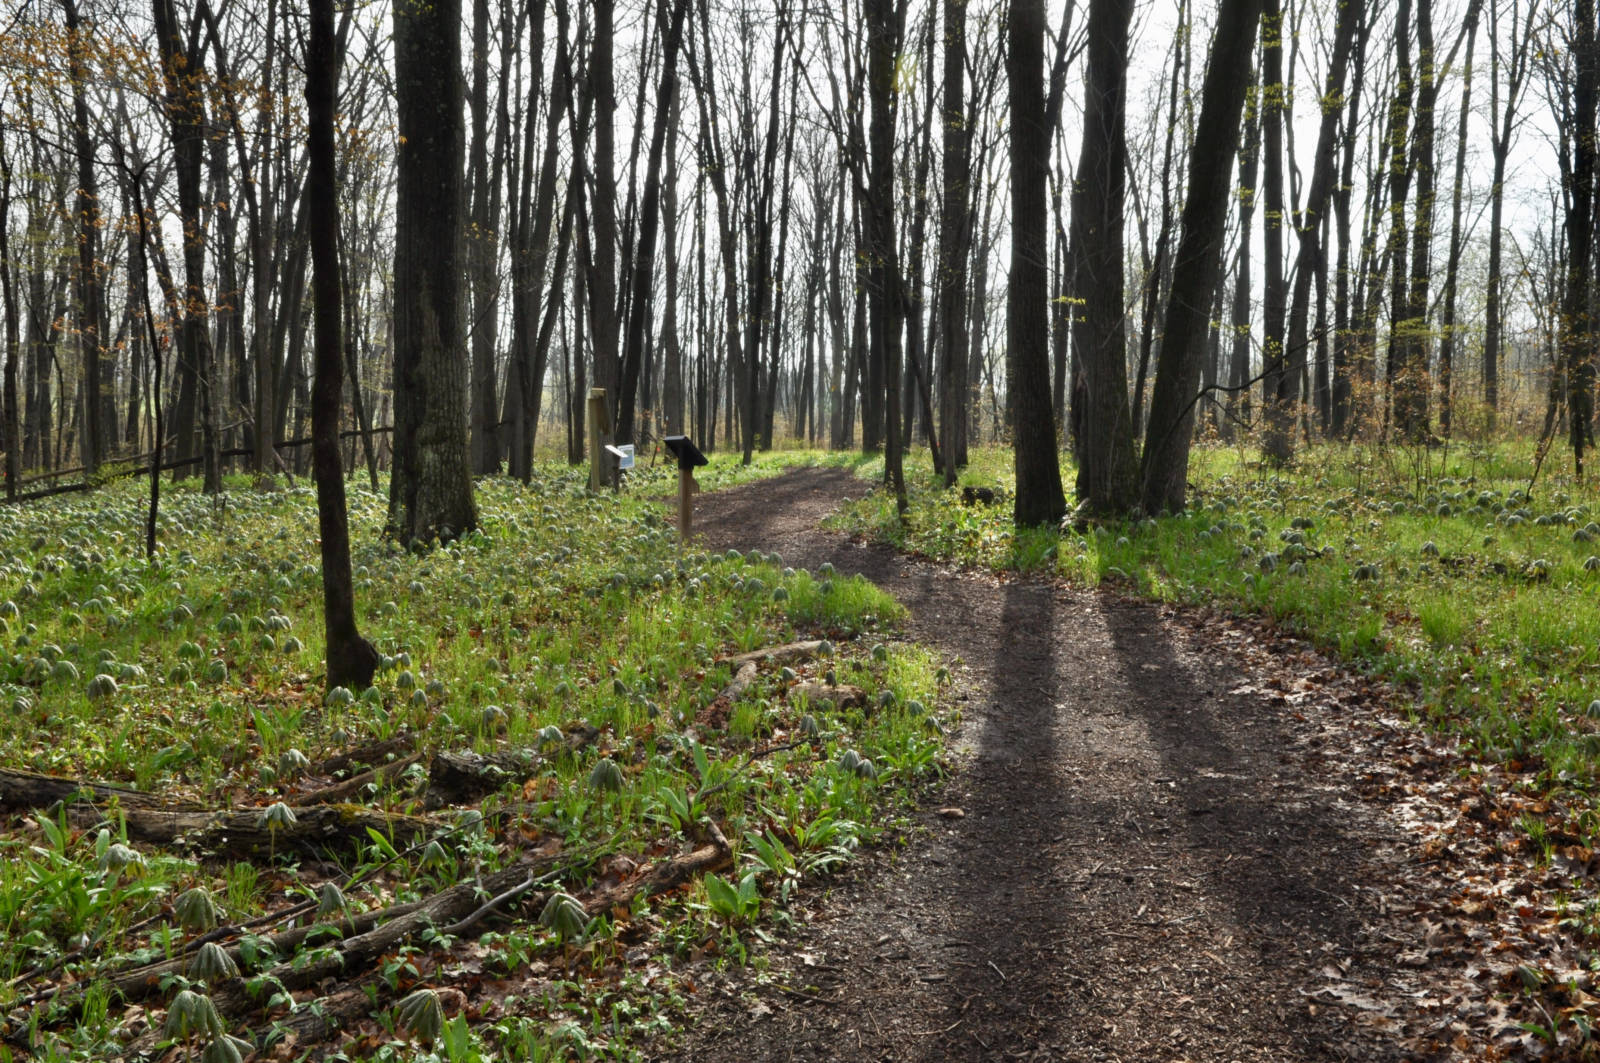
(1140, 872)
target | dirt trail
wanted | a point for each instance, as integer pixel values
(1161, 857)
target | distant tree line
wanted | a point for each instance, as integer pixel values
(1110, 227)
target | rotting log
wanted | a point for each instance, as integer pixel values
(459, 777)
(343, 791)
(839, 695)
(346, 960)
(788, 653)
(742, 680)
(240, 834)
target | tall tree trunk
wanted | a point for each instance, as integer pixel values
(1400, 163)
(884, 37)
(185, 105)
(1238, 406)
(955, 227)
(1310, 257)
(1039, 498)
(1413, 341)
(1195, 268)
(1503, 126)
(1343, 357)
(10, 406)
(1447, 317)
(1107, 469)
(430, 488)
(87, 279)
(1277, 380)
(640, 302)
(482, 252)
(351, 659)
(1577, 317)
(672, 386)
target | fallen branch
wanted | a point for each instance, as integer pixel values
(839, 695)
(742, 681)
(788, 653)
(458, 906)
(242, 834)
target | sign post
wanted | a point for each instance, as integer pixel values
(689, 459)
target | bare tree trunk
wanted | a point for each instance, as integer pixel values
(1238, 406)
(185, 105)
(430, 488)
(351, 659)
(1311, 256)
(1195, 268)
(640, 305)
(1107, 470)
(1447, 318)
(1503, 126)
(1577, 321)
(1277, 381)
(885, 33)
(87, 279)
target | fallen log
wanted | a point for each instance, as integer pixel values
(372, 755)
(344, 961)
(839, 695)
(788, 653)
(240, 835)
(458, 778)
(742, 681)
(343, 791)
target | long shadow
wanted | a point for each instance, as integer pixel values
(1244, 825)
(1006, 924)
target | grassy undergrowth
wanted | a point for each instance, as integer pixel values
(1438, 569)
(197, 675)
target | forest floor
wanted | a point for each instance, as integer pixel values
(1167, 834)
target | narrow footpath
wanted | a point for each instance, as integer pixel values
(1162, 850)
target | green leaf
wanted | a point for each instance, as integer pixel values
(723, 897)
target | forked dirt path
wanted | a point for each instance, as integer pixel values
(1163, 853)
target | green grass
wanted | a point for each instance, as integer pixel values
(1436, 569)
(564, 607)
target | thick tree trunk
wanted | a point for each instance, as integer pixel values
(1576, 327)
(884, 37)
(430, 488)
(185, 106)
(91, 316)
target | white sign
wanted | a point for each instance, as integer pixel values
(623, 454)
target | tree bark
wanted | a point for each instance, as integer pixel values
(351, 659)
(430, 488)
(1107, 472)
(1039, 498)
(1195, 267)
(1577, 326)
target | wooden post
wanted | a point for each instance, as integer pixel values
(687, 489)
(599, 426)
